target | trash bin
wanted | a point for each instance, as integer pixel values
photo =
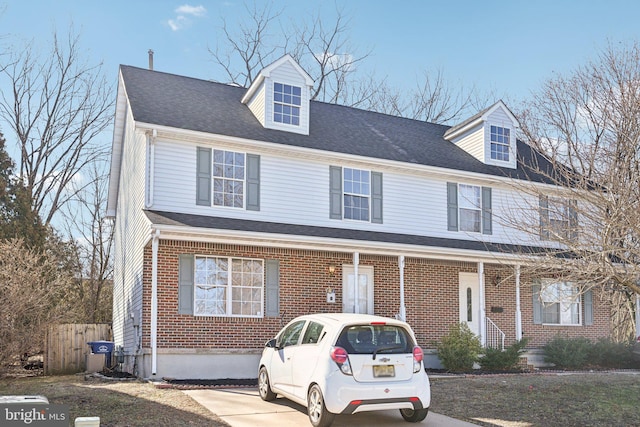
(102, 347)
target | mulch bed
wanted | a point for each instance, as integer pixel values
(200, 384)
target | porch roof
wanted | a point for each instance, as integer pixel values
(173, 219)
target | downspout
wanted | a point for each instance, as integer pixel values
(151, 153)
(356, 261)
(483, 325)
(403, 310)
(518, 310)
(154, 302)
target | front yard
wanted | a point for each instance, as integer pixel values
(520, 400)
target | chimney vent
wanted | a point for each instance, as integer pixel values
(151, 59)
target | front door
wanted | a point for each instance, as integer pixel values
(365, 290)
(470, 301)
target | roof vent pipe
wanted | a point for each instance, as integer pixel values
(151, 59)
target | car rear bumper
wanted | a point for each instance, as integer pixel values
(382, 404)
(345, 396)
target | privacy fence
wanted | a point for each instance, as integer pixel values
(66, 346)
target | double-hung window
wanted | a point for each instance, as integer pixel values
(558, 219)
(560, 303)
(230, 287)
(500, 140)
(287, 100)
(357, 193)
(228, 178)
(470, 206)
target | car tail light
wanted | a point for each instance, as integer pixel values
(418, 356)
(341, 357)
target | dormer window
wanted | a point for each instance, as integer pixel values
(500, 140)
(287, 100)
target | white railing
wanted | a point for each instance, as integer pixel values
(495, 337)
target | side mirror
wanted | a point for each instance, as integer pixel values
(271, 343)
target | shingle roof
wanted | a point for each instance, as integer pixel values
(223, 223)
(200, 105)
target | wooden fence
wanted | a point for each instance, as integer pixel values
(66, 347)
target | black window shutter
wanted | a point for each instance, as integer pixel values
(487, 227)
(537, 304)
(272, 288)
(203, 176)
(573, 220)
(253, 182)
(452, 206)
(185, 284)
(544, 217)
(376, 197)
(335, 192)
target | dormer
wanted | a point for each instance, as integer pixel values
(489, 136)
(279, 96)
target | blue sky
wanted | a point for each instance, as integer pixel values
(508, 46)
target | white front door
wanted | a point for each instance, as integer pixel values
(365, 289)
(470, 301)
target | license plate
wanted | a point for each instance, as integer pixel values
(384, 371)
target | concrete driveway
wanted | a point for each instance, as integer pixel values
(243, 407)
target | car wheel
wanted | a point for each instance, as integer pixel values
(318, 414)
(414, 415)
(263, 385)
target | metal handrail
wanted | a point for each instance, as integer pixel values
(495, 336)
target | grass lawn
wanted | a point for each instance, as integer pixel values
(583, 399)
(121, 403)
(525, 400)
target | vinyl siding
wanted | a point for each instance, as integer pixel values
(472, 142)
(131, 234)
(296, 191)
(257, 104)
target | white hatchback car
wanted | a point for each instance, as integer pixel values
(342, 363)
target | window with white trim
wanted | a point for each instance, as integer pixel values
(560, 303)
(230, 287)
(470, 208)
(228, 178)
(287, 100)
(500, 140)
(357, 194)
(558, 210)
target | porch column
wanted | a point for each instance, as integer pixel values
(154, 302)
(637, 316)
(403, 310)
(356, 284)
(483, 313)
(518, 312)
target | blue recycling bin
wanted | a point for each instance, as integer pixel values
(102, 347)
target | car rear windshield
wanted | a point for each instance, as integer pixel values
(366, 339)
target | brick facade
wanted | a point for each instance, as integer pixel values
(431, 297)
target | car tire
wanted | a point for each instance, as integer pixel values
(318, 414)
(414, 415)
(264, 387)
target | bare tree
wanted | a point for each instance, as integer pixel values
(85, 219)
(324, 49)
(56, 107)
(243, 54)
(33, 290)
(328, 55)
(588, 124)
(432, 99)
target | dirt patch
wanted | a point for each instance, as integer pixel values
(117, 403)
